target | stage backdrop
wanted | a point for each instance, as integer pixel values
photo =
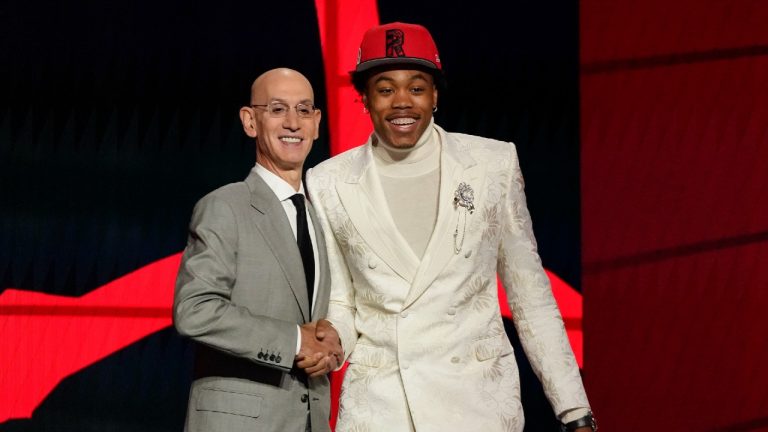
(116, 117)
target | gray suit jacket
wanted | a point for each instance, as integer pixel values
(239, 294)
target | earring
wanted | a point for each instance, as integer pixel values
(434, 109)
(365, 109)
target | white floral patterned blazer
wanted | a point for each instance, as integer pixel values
(425, 340)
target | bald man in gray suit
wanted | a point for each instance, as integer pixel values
(254, 280)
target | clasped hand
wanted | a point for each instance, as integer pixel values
(320, 350)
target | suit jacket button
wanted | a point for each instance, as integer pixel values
(404, 314)
(304, 398)
(451, 311)
(372, 263)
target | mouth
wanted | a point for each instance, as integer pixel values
(290, 139)
(403, 123)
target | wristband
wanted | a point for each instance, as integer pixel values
(586, 421)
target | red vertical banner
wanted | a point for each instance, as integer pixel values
(342, 25)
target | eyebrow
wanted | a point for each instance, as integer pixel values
(414, 77)
(303, 101)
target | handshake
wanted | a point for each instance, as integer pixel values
(320, 351)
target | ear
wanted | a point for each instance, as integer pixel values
(434, 96)
(248, 119)
(318, 115)
(365, 101)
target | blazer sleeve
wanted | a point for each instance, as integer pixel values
(534, 310)
(341, 306)
(202, 306)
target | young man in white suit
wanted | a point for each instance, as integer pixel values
(418, 223)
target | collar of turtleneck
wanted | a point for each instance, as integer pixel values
(418, 160)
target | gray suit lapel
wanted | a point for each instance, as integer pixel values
(272, 223)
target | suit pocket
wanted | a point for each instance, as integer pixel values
(229, 402)
(492, 347)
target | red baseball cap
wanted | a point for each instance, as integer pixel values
(397, 43)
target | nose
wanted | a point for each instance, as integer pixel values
(291, 120)
(402, 99)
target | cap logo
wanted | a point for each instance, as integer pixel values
(395, 41)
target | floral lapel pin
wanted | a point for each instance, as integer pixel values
(464, 197)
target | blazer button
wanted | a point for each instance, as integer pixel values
(451, 311)
(372, 263)
(304, 398)
(455, 359)
(404, 314)
(468, 254)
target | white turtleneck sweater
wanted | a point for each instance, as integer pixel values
(410, 179)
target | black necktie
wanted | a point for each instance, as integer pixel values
(305, 243)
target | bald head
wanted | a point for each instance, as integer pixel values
(283, 120)
(277, 79)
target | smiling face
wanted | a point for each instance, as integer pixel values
(282, 143)
(400, 104)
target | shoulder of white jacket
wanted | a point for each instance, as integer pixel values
(478, 146)
(336, 163)
(478, 141)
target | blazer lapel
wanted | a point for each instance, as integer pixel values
(320, 309)
(274, 227)
(364, 201)
(456, 166)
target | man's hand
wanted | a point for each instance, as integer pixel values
(325, 332)
(320, 351)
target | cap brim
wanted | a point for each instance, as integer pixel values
(389, 61)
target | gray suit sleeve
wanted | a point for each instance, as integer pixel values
(203, 309)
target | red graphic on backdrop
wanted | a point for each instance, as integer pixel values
(46, 338)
